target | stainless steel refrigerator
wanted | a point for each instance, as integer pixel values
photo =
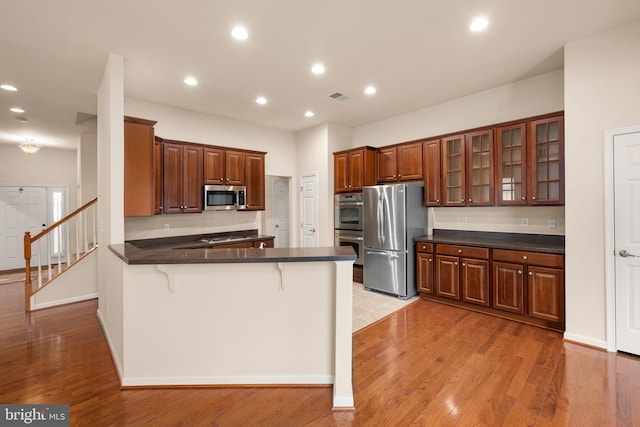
(394, 215)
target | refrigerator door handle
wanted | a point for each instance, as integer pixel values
(381, 219)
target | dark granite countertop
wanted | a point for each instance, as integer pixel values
(139, 256)
(198, 241)
(547, 243)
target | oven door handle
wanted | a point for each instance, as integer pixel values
(350, 239)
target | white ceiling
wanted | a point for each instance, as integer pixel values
(416, 52)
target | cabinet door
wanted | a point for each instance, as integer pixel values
(508, 287)
(409, 161)
(387, 164)
(453, 167)
(340, 170)
(355, 177)
(234, 167)
(255, 181)
(213, 166)
(479, 173)
(546, 293)
(424, 272)
(171, 178)
(192, 178)
(511, 165)
(474, 281)
(139, 187)
(431, 171)
(157, 180)
(447, 277)
(546, 161)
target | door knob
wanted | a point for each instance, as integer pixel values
(625, 253)
(313, 230)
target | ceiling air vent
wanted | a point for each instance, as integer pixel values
(339, 96)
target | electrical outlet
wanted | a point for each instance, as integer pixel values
(524, 222)
(552, 223)
(465, 220)
(166, 227)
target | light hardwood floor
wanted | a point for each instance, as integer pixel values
(426, 365)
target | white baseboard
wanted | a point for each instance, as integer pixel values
(585, 340)
(56, 303)
(229, 380)
(114, 357)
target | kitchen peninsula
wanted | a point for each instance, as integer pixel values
(201, 316)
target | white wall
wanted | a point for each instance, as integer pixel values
(602, 84)
(87, 165)
(183, 125)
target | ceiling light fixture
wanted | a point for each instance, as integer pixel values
(16, 110)
(479, 23)
(239, 33)
(370, 90)
(318, 68)
(261, 100)
(9, 88)
(28, 146)
(309, 114)
(191, 81)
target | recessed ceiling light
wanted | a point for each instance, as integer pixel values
(317, 68)
(17, 110)
(191, 81)
(239, 33)
(9, 88)
(309, 114)
(479, 23)
(370, 90)
(261, 100)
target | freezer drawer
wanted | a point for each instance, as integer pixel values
(386, 271)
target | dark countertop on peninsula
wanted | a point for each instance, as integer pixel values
(198, 241)
(133, 255)
(547, 243)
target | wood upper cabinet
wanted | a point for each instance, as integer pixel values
(511, 165)
(254, 179)
(224, 166)
(157, 162)
(400, 163)
(431, 172)
(354, 169)
(546, 161)
(467, 169)
(139, 167)
(182, 177)
(424, 267)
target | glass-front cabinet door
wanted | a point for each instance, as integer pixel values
(546, 161)
(480, 168)
(453, 166)
(511, 163)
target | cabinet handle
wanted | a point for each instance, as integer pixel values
(524, 257)
(221, 179)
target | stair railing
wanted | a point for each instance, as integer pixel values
(52, 244)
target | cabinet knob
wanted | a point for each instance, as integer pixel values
(462, 200)
(523, 198)
(221, 179)
(430, 260)
(519, 271)
(459, 251)
(524, 257)
(470, 200)
(530, 273)
(437, 200)
(464, 265)
(455, 263)
(533, 198)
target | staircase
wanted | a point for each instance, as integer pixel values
(53, 246)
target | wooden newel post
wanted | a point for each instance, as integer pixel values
(27, 271)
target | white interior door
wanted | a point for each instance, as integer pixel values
(308, 211)
(21, 209)
(627, 241)
(281, 212)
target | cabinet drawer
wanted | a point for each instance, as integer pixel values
(465, 251)
(531, 258)
(424, 247)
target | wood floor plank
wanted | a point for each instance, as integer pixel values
(428, 364)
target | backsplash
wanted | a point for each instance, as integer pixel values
(508, 219)
(136, 228)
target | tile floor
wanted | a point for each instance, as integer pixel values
(369, 306)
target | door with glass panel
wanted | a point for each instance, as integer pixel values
(546, 161)
(480, 168)
(511, 163)
(453, 166)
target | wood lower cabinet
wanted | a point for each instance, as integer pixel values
(518, 285)
(424, 268)
(139, 167)
(255, 180)
(182, 177)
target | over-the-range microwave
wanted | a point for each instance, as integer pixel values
(224, 197)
